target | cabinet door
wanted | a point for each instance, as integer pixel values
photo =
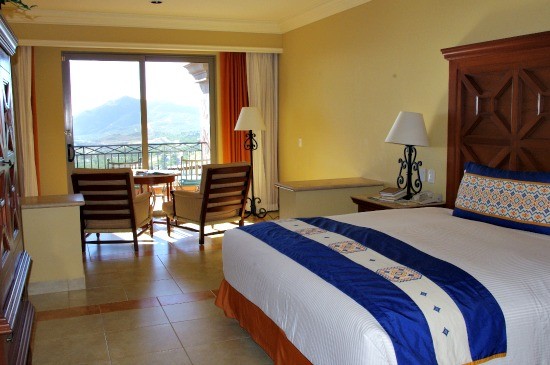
(10, 211)
(8, 259)
(5, 231)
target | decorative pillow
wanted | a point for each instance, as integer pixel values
(512, 199)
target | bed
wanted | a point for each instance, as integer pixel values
(301, 312)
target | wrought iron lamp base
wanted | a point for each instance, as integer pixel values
(409, 163)
(259, 213)
(251, 144)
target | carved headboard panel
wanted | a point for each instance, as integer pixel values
(499, 106)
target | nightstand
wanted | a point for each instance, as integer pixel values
(368, 203)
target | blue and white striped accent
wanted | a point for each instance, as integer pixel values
(434, 312)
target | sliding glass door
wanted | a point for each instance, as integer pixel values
(154, 111)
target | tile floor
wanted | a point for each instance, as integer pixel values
(156, 307)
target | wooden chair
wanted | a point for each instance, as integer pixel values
(111, 204)
(191, 171)
(220, 199)
(117, 165)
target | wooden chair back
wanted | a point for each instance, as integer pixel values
(108, 198)
(225, 191)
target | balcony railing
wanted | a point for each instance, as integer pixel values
(162, 156)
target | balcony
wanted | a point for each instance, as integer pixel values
(161, 156)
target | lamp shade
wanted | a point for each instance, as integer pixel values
(408, 129)
(250, 119)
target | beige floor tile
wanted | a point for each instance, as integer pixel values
(242, 351)
(185, 298)
(199, 283)
(83, 349)
(182, 260)
(171, 357)
(129, 305)
(141, 262)
(127, 276)
(197, 270)
(128, 325)
(105, 294)
(60, 328)
(193, 269)
(114, 265)
(128, 319)
(203, 261)
(50, 301)
(95, 280)
(208, 330)
(140, 341)
(152, 289)
(140, 275)
(192, 310)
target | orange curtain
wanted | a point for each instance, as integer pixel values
(234, 96)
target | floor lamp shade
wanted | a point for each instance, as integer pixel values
(250, 119)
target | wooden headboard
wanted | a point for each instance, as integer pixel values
(499, 106)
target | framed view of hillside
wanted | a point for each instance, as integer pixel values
(149, 108)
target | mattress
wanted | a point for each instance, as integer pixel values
(329, 327)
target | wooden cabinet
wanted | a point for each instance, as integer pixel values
(499, 106)
(16, 314)
(311, 198)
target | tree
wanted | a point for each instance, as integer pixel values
(20, 4)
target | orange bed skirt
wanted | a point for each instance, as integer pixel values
(260, 327)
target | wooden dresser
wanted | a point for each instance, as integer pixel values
(17, 312)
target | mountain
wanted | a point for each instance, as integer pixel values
(118, 122)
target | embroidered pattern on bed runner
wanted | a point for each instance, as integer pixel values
(433, 311)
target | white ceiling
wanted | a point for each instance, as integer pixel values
(257, 16)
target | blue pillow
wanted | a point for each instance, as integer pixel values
(513, 199)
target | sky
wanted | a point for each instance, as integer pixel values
(93, 83)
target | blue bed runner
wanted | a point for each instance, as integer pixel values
(433, 311)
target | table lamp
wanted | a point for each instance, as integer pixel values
(409, 130)
(250, 119)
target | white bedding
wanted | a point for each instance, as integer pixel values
(330, 328)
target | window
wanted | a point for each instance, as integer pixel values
(153, 111)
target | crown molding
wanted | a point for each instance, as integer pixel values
(145, 46)
(320, 12)
(43, 16)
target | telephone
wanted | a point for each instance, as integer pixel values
(426, 197)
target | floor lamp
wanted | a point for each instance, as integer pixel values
(250, 119)
(409, 130)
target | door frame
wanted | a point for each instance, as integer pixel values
(66, 57)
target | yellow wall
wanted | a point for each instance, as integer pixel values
(344, 79)
(49, 90)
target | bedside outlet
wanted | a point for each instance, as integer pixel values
(422, 173)
(431, 176)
